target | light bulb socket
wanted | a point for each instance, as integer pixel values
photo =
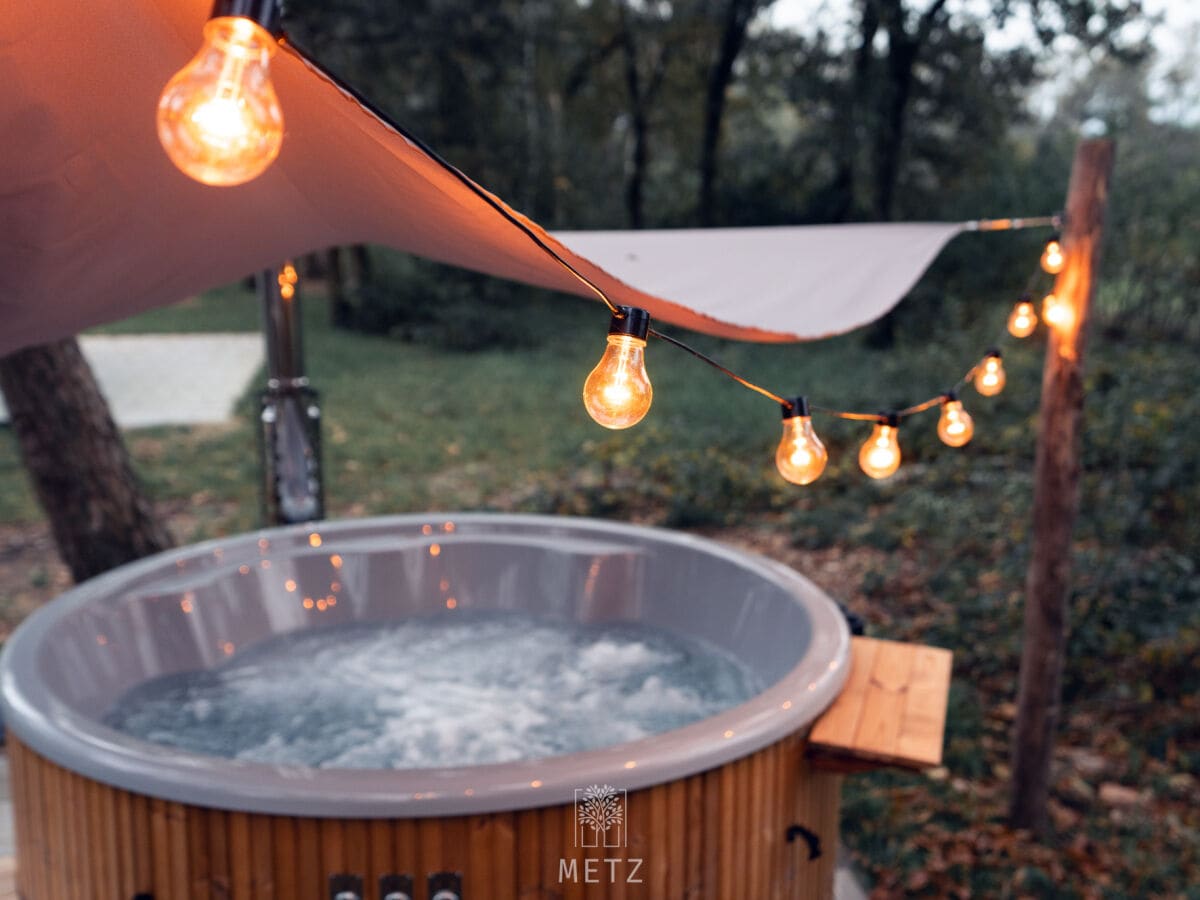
(797, 406)
(993, 353)
(630, 320)
(890, 419)
(950, 397)
(264, 12)
(1025, 298)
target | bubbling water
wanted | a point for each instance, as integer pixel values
(457, 689)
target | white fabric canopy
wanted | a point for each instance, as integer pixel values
(96, 224)
(805, 281)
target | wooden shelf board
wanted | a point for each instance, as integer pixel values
(892, 711)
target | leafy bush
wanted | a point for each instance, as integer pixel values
(420, 302)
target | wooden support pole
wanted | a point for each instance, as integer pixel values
(1056, 489)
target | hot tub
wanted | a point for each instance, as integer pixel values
(708, 810)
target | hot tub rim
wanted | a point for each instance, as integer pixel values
(49, 727)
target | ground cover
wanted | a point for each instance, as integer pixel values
(936, 554)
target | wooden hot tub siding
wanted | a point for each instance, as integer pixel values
(717, 835)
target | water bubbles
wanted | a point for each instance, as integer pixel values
(462, 688)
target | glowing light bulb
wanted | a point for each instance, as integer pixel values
(801, 456)
(218, 118)
(287, 279)
(955, 427)
(618, 393)
(1053, 257)
(989, 375)
(1057, 313)
(1023, 321)
(880, 455)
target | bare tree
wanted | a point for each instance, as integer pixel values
(79, 466)
(736, 17)
(642, 89)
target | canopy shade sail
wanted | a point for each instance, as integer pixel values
(797, 283)
(96, 224)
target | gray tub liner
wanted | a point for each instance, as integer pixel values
(193, 607)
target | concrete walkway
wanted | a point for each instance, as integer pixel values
(171, 379)
(845, 883)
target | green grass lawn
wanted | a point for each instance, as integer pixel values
(942, 546)
(408, 426)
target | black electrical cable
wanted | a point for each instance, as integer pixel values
(720, 368)
(308, 59)
(977, 225)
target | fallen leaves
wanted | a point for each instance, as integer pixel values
(1114, 794)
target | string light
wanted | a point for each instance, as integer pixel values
(617, 393)
(1057, 313)
(989, 375)
(955, 427)
(287, 281)
(880, 454)
(1023, 321)
(219, 119)
(1053, 258)
(801, 457)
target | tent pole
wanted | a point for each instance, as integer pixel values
(289, 414)
(1056, 491)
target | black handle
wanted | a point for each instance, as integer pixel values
(395, 887)
(445, 886)
(811, 838)
(345, 887)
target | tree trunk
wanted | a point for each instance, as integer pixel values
(1056, 492)
(531, 170)
(360, 263)
(641, 94)
(341, 314)
(634, 186)
(904, 49)
(77, 461)
(738, 14)
(842, 202)
(889, 144)
(640, 153)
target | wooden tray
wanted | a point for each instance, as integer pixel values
(892, 711)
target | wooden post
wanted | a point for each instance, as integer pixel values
(1056, 490)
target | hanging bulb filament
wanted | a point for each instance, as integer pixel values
(219, 120)
(989, 374)
(955, 427)
(1053, 258)
(1023, 321)
(801, 457)
(617, 393)
(880, 455)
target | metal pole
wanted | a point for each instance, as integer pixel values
(289, 414)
